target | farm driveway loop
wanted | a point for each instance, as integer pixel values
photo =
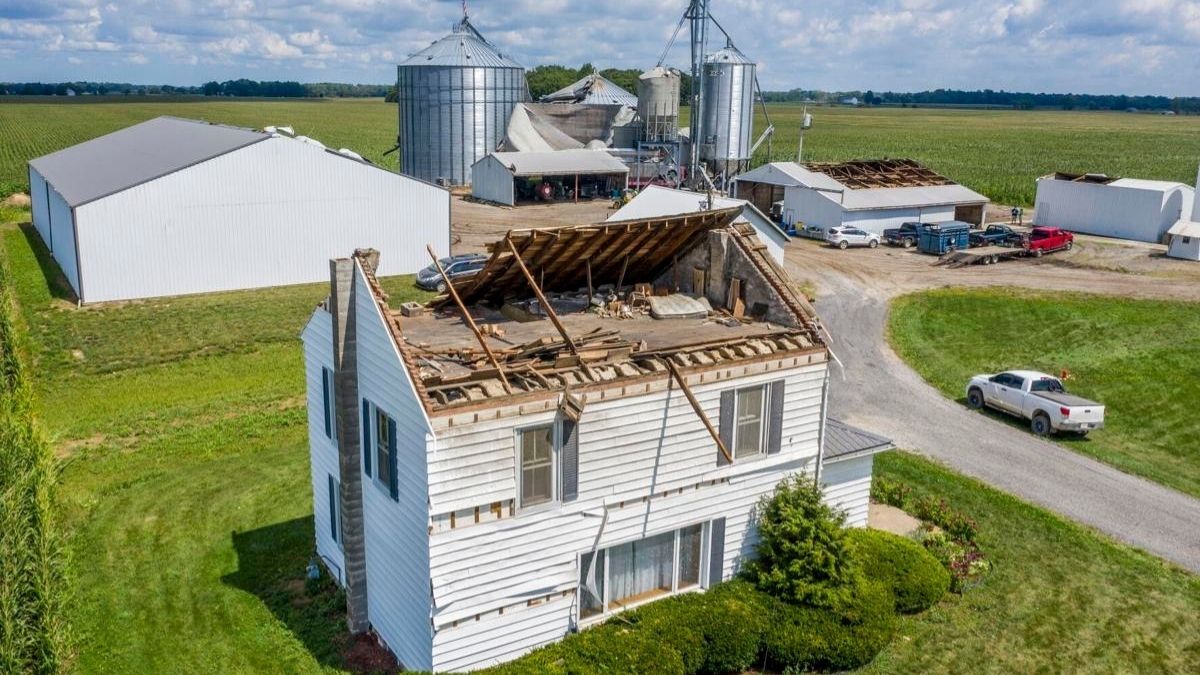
(879, 392)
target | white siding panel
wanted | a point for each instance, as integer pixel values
(492, 181)
(1110, 211)
(39, 205)
(808, 206)
(397, 543)
(318, 354)
(650, 451)
(880, 219)
(847, 486)
(272, 213)
(62, 239)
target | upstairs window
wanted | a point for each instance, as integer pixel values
(383, 449)
(748, 432)
(536, 456)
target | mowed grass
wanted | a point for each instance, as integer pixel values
(1060, 598)
(1138, 357)
(997, 152)
(182, 426)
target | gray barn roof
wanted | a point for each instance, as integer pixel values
(843, 441)
(137, 154)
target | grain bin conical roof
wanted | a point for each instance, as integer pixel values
(464, 46)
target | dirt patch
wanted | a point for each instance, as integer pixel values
(476, 224)
(366, 654)
(891, 519)
(18, 200)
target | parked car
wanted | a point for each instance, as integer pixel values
(1037, 397)
(947, 237)
(844, 237)
(456, 267)
(995, 235)
(1048, 240)
(906, 235)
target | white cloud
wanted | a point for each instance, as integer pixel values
(1144, 46)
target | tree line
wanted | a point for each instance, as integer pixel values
(237, 88)
(991, 98)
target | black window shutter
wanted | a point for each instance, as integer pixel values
(325, 399)
(716, 558)
(333, 497)
(725, 425)
(775, 430)
(570, 460)
(366, 436)
(393, 461)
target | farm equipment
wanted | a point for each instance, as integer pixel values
(940, 238)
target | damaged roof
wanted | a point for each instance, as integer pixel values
(617, 334)
(592, 89)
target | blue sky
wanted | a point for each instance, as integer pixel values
(1082, 46)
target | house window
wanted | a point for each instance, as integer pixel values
(536, 448)
(335, 510)
(327, 400)
(748, 430)
(1187, 240)
(626, 575)
(383, 450)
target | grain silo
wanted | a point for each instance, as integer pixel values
(455, 98)
(728, 109)
(658, 104)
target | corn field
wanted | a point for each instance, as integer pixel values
(33, 635)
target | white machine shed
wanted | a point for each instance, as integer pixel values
(493, 175)
(1124, 208)
(174, 206)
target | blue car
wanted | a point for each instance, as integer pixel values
(456, 267)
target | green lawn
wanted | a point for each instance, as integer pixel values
(1138, 357)
(997, 152)
(186, 490)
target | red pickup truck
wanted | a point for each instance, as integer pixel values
(1047, 240)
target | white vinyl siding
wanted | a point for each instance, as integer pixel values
(318, 357)
(396, 532)
(62, 238)
(272, 213)
(645, 458)
(847, 485)
(492, 181)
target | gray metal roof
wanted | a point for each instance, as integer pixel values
(595, 89)
(137, 154)
(729, 54)
(843, 441)
(465, 47)
(559, 162)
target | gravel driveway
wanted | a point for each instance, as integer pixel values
(879, 392)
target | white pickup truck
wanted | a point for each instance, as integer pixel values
(1039, 398)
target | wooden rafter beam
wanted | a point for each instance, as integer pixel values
(542, 299)
(470, 320)
(687, 392)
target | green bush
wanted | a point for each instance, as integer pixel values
(916, 578)
(615, 647)
(679, 622)
(847, 636)
(803, 556)
(735, 616)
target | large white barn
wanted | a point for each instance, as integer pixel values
(869, 194)
(1124, 208)
(174, 206)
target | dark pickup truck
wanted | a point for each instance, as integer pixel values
(906, 235)
(995, 235)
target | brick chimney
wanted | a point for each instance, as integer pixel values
(349, 438)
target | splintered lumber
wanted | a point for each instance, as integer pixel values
(537, 290)
(470, 321)
(687, 392)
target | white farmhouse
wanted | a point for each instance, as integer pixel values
(174, 206)
(1124, 208)
(869, 194)
(480, 494)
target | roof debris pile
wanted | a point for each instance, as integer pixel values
(880, 173)
(569, 308)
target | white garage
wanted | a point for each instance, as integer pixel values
(510, 177)
(174, 206)
(1124, 208)
(847, 460)
(869, 194)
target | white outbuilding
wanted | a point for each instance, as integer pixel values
(1183, 240)
(1124, 208)
(656, 200)
(507, 177)
(869, 194)
(174, 206)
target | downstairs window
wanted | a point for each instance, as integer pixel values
(626, 575)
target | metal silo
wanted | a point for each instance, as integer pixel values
(658, 104)
(728, 108)
(455, 98)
